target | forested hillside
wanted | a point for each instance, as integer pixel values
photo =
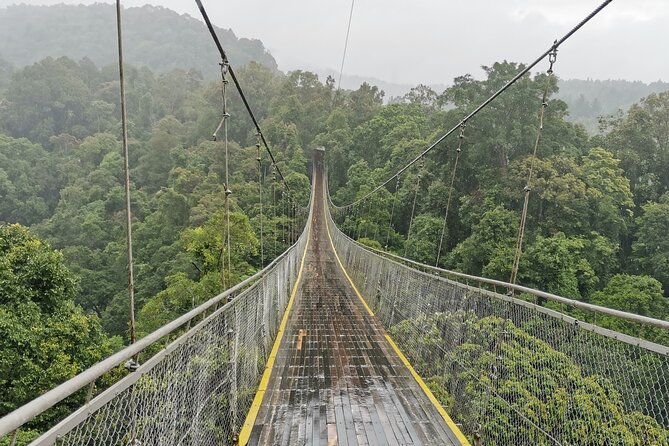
(161, 39)
(599, 207)
(61, 175)
(597, 223)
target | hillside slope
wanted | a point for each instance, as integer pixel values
(154, 36)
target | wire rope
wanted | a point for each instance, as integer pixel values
(485, 103)
(260, 192)
(392, 212)
(528, 185)
(343, 58)
(450, 190)
(413, 207)
(126, 173)
(233, 76)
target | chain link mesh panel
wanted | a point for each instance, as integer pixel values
(198, 390)
(514, 371)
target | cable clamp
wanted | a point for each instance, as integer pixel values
(462, 129)
(552, 57)
(131, 365)
(225, 67)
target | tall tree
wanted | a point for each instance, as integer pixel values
(651, 248)
(44, 337)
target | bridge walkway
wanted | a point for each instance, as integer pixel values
(336, 378)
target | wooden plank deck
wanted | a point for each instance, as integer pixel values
(336, 379)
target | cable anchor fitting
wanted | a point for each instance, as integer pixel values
(461, 136)
(225, 68)
(463, 125)
(552, 57)
(131, 365)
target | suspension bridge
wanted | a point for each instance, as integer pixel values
(326, 345)
(335, 342)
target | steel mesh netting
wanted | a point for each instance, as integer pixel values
(198, 390)
(512, 372)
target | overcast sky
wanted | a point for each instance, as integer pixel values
(432, 41)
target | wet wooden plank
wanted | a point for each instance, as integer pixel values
(336, 380)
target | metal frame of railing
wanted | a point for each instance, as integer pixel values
(622, 337)
(645, 320)
(409, 298)
(24, 414)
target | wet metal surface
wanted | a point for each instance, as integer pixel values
(336, 379)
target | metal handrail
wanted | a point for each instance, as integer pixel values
(645, 320)
(30, 410)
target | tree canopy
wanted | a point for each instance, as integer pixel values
(45, 338)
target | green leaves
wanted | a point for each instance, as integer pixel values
(31, 272)
(635, 294)
(44, 338)
(651, 249)
(498, 369)
(26, 181)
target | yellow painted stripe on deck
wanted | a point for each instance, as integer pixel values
(245, 433)
(364, 304)
(449, 421)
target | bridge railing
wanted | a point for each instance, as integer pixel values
(522, 367)
(197, 388)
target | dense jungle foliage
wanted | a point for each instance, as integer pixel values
(572, 401)
(597, 223)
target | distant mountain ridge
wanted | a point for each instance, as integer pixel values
(153, 36)
(164, 40)
(605, 96)
(589, 99)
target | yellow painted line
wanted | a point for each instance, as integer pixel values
(449, 421)
(245, 433)
(364, 304)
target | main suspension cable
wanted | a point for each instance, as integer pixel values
(485, 103)
(343, 58)
(224, 57)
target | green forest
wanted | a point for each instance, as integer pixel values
(162, 39)
(597, 223)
